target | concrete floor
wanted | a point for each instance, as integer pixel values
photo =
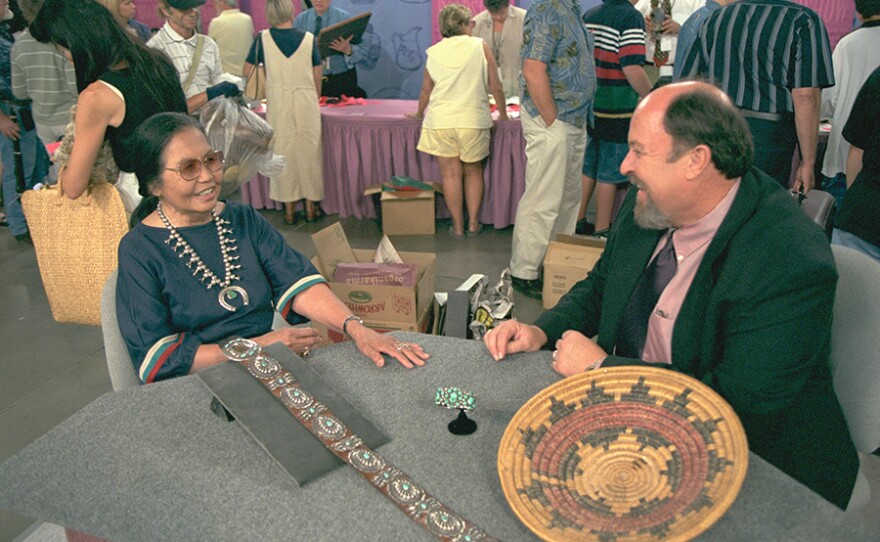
(48, 371)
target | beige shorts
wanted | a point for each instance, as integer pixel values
(468, 144)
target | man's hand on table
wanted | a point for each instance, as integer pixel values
(513, 336)
(576, 353)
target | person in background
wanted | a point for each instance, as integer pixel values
(558, 82)
(689, 31)
(175, 313)
(854, 58)
(837, 15)
(293, 85)
(619, 33)
(340, 74)
(665, 33)
(124, 11)
(234, 33)
(857, 224)
(41, 74)
(501, 26)
(776, 83)
(459, 75)
(16, 130)
(712, 271)
(195, 56)
(121, 82)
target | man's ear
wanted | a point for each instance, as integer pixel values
(700, 158)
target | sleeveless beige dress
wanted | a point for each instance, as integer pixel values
(292, 111)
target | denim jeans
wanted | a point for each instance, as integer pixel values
(847, 239)
(836, 186)
(36, 165)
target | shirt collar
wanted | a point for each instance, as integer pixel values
(177, 37)
(693, 236)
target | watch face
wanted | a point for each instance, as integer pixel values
(240, 349)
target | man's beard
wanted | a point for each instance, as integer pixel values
(648, 216)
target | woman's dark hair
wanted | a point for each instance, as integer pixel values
(96, 42)
(703, 117)
(868, 8)
(151, 138)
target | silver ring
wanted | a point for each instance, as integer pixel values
(306, 352)
(402, 346)
(554, 355)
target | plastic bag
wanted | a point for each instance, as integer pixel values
(492, 306)
(244, 138)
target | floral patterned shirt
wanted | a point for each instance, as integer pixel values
(553, 34)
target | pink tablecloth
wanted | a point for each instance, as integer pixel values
(367, 144)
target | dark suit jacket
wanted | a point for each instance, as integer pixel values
(755, 326)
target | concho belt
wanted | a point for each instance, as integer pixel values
(392, 482)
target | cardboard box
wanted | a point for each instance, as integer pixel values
(384, 307)
(568, 260)
(406, 212)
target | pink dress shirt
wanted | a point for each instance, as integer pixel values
(691, 243)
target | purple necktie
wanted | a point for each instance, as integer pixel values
(634, 324)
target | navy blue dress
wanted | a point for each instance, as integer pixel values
(165, 313)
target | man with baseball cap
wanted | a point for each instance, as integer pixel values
(196, 56)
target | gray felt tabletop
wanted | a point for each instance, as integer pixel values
(154, 463)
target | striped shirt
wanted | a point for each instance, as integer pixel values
(619, 32)
(41, 74)
(181, 52)
(758, 50)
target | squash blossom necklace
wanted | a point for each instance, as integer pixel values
(228, 292)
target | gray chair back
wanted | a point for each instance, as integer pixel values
(119, 365)
(855, 345)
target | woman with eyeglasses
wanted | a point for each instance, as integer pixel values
(459, 75)
(120, 82)
(195, 271)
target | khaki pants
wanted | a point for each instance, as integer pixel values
(554, 158)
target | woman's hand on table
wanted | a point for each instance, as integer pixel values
(513, 336)
(301, 340)
(413, 115)
(373, 345)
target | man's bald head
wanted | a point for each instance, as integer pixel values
(697, 113)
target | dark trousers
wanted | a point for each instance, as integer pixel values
(342, 83)
(775, 142)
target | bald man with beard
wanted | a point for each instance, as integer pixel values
(746, 306)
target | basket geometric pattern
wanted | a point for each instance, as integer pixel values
(623, 454)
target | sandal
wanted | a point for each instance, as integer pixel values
(290, 220)
(313, 212)
(456, 235)
(478, 231)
